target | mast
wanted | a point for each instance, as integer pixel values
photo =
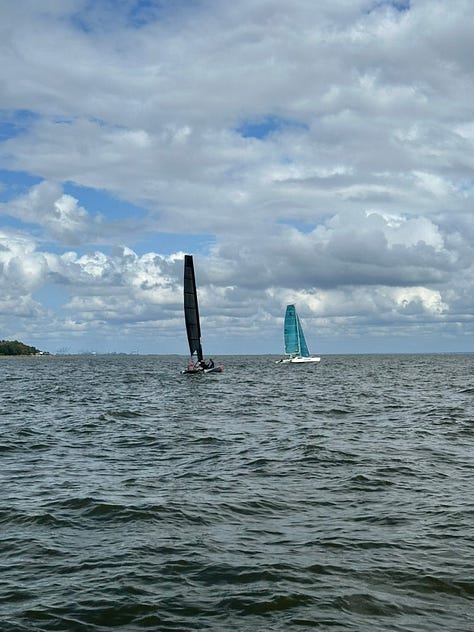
(191, 309)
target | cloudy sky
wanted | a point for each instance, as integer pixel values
(318, 152)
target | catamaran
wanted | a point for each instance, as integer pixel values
(295, 343)
(193, 326)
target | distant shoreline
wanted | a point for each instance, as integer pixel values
(224, 355)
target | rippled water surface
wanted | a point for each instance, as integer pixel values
(268, 497)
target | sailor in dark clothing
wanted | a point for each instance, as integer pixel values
(207, 365)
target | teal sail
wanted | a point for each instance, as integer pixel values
(303, 347)
(295, 343)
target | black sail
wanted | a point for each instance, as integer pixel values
(191, 310)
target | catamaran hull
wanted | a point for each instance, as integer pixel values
(215, 369)
(299, 360)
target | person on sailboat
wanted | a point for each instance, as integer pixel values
(201, 365)
(194, 367)
(210, 364)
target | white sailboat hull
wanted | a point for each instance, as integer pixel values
(299, 360)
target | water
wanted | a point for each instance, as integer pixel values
(268, 497)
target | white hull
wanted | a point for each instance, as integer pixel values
(299, 360)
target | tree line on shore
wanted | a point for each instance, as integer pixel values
(14, 347)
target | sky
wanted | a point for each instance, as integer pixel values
(311, 152)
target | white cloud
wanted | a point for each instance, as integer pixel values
(22, 269)
(359, 202)
(47, 206)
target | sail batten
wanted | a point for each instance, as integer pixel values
(191, 308)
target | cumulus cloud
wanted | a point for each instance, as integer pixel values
(47, 206)
(23, 269)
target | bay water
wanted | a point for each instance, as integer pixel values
(270, 497)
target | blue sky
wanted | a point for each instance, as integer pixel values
(312, 153)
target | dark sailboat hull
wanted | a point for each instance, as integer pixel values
(215, 369)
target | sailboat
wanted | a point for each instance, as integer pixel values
(193, 325)
(295, 343)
